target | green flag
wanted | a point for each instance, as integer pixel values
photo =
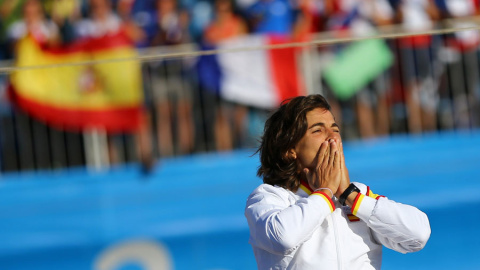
(357, 65)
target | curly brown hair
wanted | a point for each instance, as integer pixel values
(283, 130)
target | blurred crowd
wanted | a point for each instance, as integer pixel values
(432, 84)
(170, 22)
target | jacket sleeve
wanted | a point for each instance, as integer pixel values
(397, 226)
(279, 224)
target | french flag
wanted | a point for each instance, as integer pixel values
(260, 78)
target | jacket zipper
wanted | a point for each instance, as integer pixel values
(337, 244)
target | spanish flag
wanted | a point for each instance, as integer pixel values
(104, 95)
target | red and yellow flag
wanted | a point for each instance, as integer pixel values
(77, 97)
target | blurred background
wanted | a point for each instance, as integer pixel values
(128, 128)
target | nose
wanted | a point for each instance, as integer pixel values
(334, 135)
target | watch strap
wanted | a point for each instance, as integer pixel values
(351, 188)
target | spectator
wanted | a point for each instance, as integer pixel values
(10, 12)
(124, 11)
(372, 101)
(272, 16)
(171, 89)
(310, 19)
(171, 24)
(460, 56)
(35, 24)
(226, 25)
(421, 96)
(65, 13)
(103, 21)
(141, 15)
(201, 13)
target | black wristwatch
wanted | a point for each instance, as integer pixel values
(347, 192)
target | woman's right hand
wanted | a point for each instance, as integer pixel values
(327, 172)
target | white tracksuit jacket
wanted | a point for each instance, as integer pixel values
(306, 230)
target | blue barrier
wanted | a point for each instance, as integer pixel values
(189, 213)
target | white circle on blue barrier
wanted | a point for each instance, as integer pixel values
(134, 254)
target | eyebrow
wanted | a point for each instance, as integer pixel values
(321, 124)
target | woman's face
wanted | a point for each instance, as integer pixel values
(321, 127)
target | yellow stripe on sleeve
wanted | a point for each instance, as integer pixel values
(326, 198)
(357, 203)
(371, 194)
(304, 188)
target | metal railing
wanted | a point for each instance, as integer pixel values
(425, 89)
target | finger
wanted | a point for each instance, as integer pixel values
(343, 165)
(337, 160)
(333, 149)
(310, 178)
(306, 172)
(321, 154)
(340, 146)
(326, 158)
(341, 156)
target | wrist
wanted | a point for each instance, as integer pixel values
(341, 189)
(347, 194)
(339, 192)
(326, 191)
(351, 198)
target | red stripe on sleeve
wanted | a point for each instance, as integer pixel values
(305, 184)
(327, 197)
(356, 200)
